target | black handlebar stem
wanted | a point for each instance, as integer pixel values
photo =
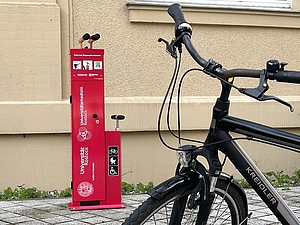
(213, 68)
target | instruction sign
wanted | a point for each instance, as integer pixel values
(113, 161)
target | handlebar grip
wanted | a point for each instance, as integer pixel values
(177, 15)
(287, 76)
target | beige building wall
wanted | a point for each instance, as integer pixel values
(35, 88)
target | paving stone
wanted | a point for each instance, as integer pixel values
(96, 219)
(7, 204)
(34, 222)
(18, 219)
(75, 222)
(3, 223)
(66, 212)
(271, 219)
(6, 215)
(80, 215)
(17, 208)
(111, 223)
(57, 219)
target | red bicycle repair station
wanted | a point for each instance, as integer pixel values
(96, 158)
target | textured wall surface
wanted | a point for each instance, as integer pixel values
(30, 52)
(35, 81)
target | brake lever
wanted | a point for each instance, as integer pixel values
(269, 97)
(170, 47)
(258, 92)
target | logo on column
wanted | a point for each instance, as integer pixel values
(85, 189)
(113, 161)
(83, 134)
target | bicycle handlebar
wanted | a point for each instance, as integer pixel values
(184, 31)
(286, 76)
(177, 15)
(193, 52)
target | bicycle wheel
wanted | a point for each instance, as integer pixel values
(229, 207)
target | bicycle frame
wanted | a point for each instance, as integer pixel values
(222, 124)
(249, 170)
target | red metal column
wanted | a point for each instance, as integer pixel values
(88, 128)
(113, 168)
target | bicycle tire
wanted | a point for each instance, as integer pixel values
(150, 211)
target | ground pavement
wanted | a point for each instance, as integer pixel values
(56, 211)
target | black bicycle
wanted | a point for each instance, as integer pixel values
(200, 195)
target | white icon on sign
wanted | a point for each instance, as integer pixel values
(113, 151)
(85, 189)
(87, 64)
(83, 134)
(112, 171)
(113, 161)
(76, 65)
(98, 65)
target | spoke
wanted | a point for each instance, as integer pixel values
(190, 219)
(166, 210)
(225, 219)
(220, 204)
(220, 216)
(218, 207)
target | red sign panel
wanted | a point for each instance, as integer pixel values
(87, 64)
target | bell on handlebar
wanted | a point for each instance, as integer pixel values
(272, 66)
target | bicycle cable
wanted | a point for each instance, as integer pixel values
(178, 105)
(276, 145)
(178, 100)
(176, 70)
(170, 101)
(170, 90)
